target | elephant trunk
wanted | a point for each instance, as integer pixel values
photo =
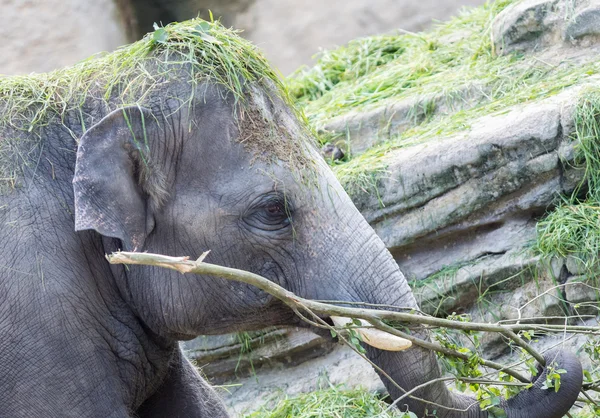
(416, 366)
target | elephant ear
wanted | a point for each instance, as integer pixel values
(115, 183)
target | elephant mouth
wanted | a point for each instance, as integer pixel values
(373, 336)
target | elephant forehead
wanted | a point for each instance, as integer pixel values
(271, 131)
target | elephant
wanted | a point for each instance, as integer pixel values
(207, 155)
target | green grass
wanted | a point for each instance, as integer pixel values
(333, 402)
(573, 227)
(438, 65)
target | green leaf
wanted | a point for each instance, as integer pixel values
(496, 412)
(160, 36)
(202, 30)
(203, 27)
(333, 333)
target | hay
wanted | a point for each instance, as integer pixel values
(72, 99)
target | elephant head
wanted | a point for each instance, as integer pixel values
(245, 181)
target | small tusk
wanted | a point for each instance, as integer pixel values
(375, 337)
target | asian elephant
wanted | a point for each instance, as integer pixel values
(193, 165)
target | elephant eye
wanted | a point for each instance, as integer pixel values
(270, 213)
(275, 208)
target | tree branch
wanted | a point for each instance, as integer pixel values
(374, 316)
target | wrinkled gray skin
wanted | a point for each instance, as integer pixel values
(82, 338)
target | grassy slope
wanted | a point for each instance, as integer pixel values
(454, 56)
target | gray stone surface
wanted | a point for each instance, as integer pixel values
(224, 358)
(585, 23)
(458, 290)
(584, 293)
(575, 265)
(453, 200)
(532, 25)
(39, 36)
(341, 366)
(525, 25)
(364, 129)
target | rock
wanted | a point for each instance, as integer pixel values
(224, 358)
(575, 265)
(340, 366)
(533, 25)
(555, 267)
(456, 199)
(535, 297)
(585, 23)
(368, 128)
(332, 152)
(456, 290)
(523, 25)
(584, 294)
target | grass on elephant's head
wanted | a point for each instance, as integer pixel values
(333, 402)
(445, 62)
(573, 227)
(191, 52)
(128, 75)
